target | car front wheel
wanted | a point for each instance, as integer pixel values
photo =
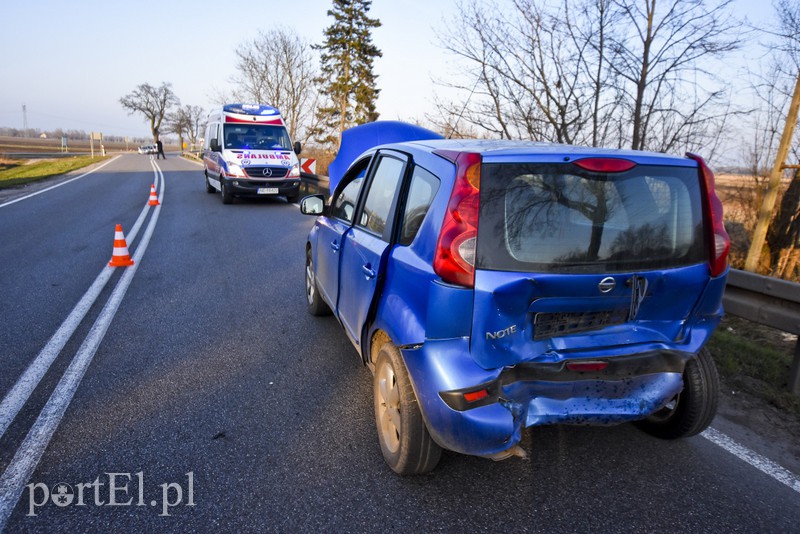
(316, 306)
(693, 409)
(404, 439)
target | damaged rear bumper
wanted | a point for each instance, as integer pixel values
(482, 412)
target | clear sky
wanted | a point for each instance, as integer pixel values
(69, 62)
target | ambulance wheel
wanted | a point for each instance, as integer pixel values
(227, 196)
(209, 188)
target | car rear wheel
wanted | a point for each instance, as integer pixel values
(404, 439)
(316, 306)
(693, 409)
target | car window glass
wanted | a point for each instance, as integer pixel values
(424, 186)
(345, 204)
(381, 193)
(557, 218)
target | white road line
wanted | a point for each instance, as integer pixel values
(765, 465)
(57, 185)
(16, 398)
(22, 466)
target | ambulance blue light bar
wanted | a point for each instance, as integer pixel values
(251, 109)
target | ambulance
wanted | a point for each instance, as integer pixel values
(247, 151)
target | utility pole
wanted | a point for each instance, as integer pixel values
(768, 205)
(24, 118)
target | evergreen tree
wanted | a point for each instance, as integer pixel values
(346, 61)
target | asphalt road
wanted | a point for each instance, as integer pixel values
(214, 402)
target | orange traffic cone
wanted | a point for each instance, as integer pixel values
(153, 196)
(120, 257)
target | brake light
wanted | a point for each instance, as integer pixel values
(605, 164)
(718, 240)
(454, 259)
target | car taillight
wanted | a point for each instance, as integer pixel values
(605, 164)
(454, 259)
(719, 242)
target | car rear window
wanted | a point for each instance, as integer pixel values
(560, 218)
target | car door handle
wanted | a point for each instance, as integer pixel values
(368, 272)
(335, 246)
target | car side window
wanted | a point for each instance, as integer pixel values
(423, 188)
(381, 194)
(344, 206)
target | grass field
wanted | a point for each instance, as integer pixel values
(756, 359)
(19, 172)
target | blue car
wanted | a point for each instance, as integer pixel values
(495, 285)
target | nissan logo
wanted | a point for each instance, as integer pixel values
(607, 284)
(267, 171)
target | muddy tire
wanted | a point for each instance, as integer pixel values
(404, 439)
(694, 408)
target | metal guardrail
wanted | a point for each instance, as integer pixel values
(769, 301)
(192, 154)
(312, 184)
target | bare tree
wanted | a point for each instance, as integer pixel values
(598, 72)
(781, 230)
(195, 123)
(594, 24)
(185, 121)
(278, 68)
(152, 102)
(530, 75)
(657, 58)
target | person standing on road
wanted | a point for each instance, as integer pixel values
(160, 147)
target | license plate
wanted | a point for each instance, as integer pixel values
(267, 190)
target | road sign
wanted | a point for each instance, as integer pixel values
(309, 165)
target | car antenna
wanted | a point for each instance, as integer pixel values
(450, 136)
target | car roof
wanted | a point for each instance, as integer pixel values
(500, 150)
(402, 136)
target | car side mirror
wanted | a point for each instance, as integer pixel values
(297, 147)
(215, 145)
(312, 205)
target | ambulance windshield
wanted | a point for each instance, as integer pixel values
(256, 137)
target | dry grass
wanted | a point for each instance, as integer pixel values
(20, 172)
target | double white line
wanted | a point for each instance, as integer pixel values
(27, 457)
